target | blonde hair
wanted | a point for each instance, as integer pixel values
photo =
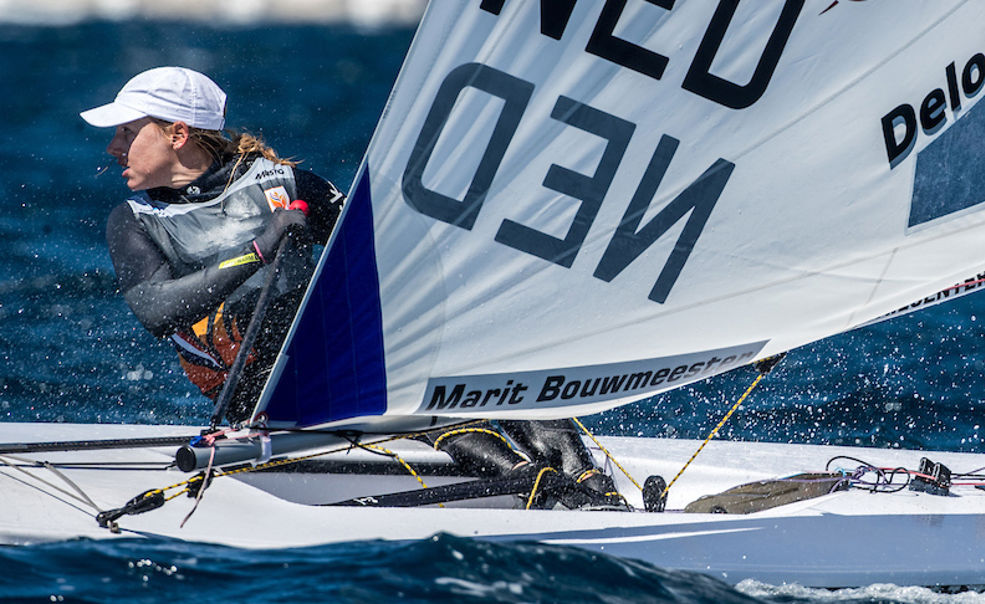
(229, 142)
(221, 143)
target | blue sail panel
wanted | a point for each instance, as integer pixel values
(334, 365)
(948, 179)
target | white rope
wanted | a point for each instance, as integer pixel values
(81, 497)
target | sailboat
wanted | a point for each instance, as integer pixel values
(567, 207)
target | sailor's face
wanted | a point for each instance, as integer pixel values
(145, 152)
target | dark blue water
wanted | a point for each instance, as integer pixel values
(71, 351)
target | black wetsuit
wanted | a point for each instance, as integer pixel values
(167, 295)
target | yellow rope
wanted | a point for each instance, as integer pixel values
(470, 431)
(404, 463)
(533, 491)
(178, 494)
(606, 452)
(715, 431)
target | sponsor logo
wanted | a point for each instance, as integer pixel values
(277, 198)
(270, 172)
(900, 126)
(947, 177)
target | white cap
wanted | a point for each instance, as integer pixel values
(172, 94)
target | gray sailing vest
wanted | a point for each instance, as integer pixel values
(192, 236)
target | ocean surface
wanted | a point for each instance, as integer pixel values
(70, 351)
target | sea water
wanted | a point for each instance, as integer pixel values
(70, 351)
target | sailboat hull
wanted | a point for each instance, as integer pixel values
(845, 538)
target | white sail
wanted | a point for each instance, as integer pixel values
(571, 205)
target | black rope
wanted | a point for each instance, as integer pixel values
(246, 345)
(84, 445)
(109, 466)
(883, 483)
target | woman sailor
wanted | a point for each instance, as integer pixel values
(192, 245)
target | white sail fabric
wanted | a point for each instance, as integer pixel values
(576, 204)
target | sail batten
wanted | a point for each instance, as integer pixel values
(556, 197)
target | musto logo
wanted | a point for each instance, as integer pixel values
(948, 176)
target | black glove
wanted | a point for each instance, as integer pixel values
(291, 223)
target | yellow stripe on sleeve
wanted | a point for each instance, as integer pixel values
(245, 259)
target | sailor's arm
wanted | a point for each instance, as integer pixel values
(163, 303)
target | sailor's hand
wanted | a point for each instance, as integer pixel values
(290, 223)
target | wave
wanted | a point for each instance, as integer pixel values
(364, 13)
(443, 568)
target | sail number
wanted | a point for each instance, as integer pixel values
(629, 239)
(603, 43)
